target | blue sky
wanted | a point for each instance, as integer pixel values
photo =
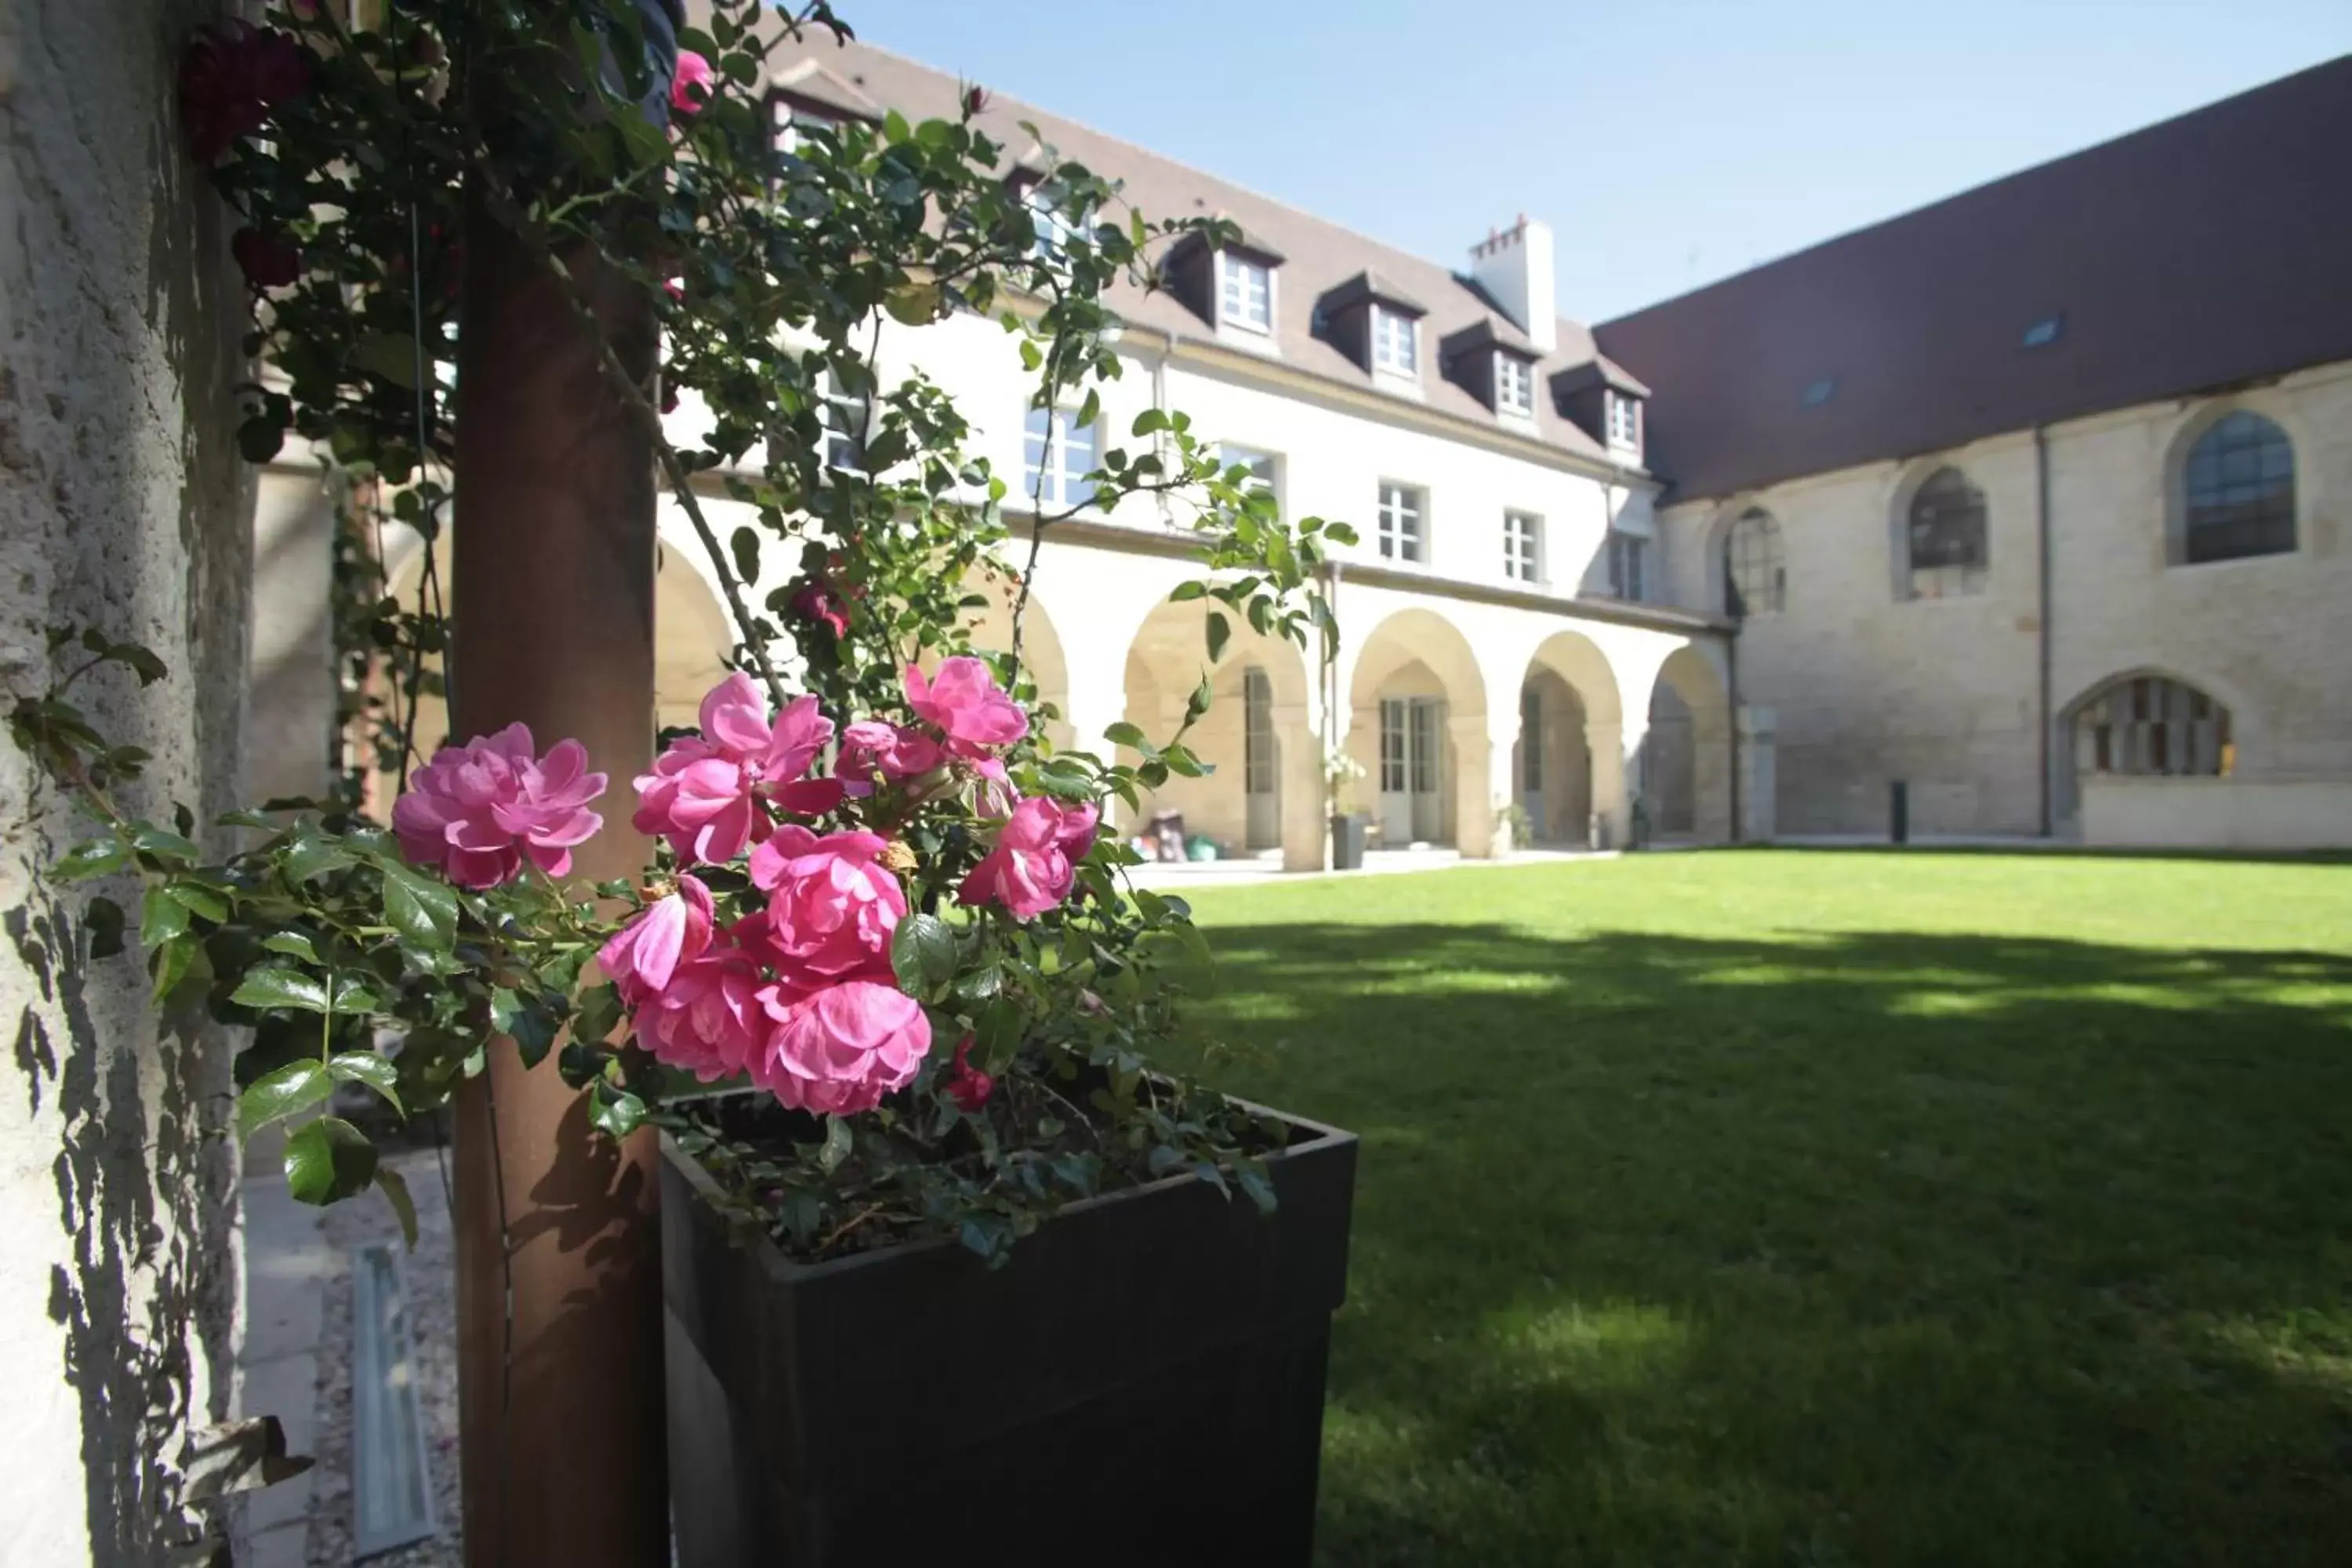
(1667, 142)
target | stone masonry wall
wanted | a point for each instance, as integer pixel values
(1869, 686)
(122, 505)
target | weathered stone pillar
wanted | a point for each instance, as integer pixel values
(1759, 773)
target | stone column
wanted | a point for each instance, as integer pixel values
(1759, 773)
(1476, 763)
(1304, 833)
(1612, 795)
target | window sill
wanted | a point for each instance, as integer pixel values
(2266, 559)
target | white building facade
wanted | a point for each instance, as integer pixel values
(1961, 504)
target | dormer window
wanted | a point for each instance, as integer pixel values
(1396, 348)
(1624, 422)
(1245, 292)
(1514, 385)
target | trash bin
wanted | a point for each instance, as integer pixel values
(1348, 842)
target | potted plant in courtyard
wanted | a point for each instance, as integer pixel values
(1341, 774)
(951, 1220)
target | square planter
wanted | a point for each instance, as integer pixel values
(1348, 841)
(1142, 1383)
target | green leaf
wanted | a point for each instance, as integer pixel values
(170, 964)
(394, 1187)
(366, 1067)
(91, 857)
(1221, 632)
(839, 1144)
(744, 544)
(291, 1089)
(1252, 1176)
(1124, 734)
(162, 843)
(275, 986)
(421, 910)
(600, 1009)
(104, 918)
(390, 356)
(530, 1021)
(1183, 592)
(198, 899)
(615, 1112)
(914, 304)
(293, 943)
(160, 918)
(922, 954)
(328, 1159)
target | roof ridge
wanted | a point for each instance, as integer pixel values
(1965, 191)
(1455, 273)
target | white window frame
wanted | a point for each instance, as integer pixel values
(1514, 373)
(1625, 417)
(1235, 273)
(1403, 522)
(1396, 342)
(787, 120)
(1522, 546)
(1076, 450)
(1264, 467)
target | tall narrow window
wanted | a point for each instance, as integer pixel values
(1626, 563)
(2239, 486)
(1395, 345)
(845, 427)
(1058, 453)
(1514, 385)
(1245, 292)
(1946, 535)
(1523, 546)
(1755, 581)
(1401, 522)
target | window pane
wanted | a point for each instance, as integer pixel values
(1947, 537)
(2240, 485)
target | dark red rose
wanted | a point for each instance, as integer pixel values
(967, 1086)
(231, 77)
(975, 99)
(818, 600)
(269, 260)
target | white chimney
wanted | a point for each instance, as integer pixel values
(1513, 265)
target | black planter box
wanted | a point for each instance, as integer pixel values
(1142, 1383)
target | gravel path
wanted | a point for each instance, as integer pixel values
(430, 1278)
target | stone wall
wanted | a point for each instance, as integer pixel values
(122, 505)
(1870, 687)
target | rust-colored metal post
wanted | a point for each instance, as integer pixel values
(558, 1261)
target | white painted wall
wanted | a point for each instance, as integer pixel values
(123, 505)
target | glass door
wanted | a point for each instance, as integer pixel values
(1261, 761)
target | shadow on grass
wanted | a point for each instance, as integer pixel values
(1870, 1249)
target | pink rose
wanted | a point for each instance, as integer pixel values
(708, 794)
(966, 705)
(840, 1049)
(1029, 871)
(831, 905)
(709, 1019)
(476, 810)
(690, 85)
(641, 956)
(895, 753)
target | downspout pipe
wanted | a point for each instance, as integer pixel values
(2042, 621)
(1731, 663)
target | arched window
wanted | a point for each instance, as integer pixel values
(2238, 491)
(1945, 538)
(1754, 580)
(2152, 725)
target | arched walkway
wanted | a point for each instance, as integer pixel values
(1568, 762)
(1417, 726)
(1683, 769)
(1259, 738)
(1044, 665)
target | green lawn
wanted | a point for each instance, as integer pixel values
(1825, 1208)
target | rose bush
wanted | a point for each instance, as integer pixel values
(866, 847)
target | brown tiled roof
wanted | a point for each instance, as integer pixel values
(1317, 256)
(2207, 250)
